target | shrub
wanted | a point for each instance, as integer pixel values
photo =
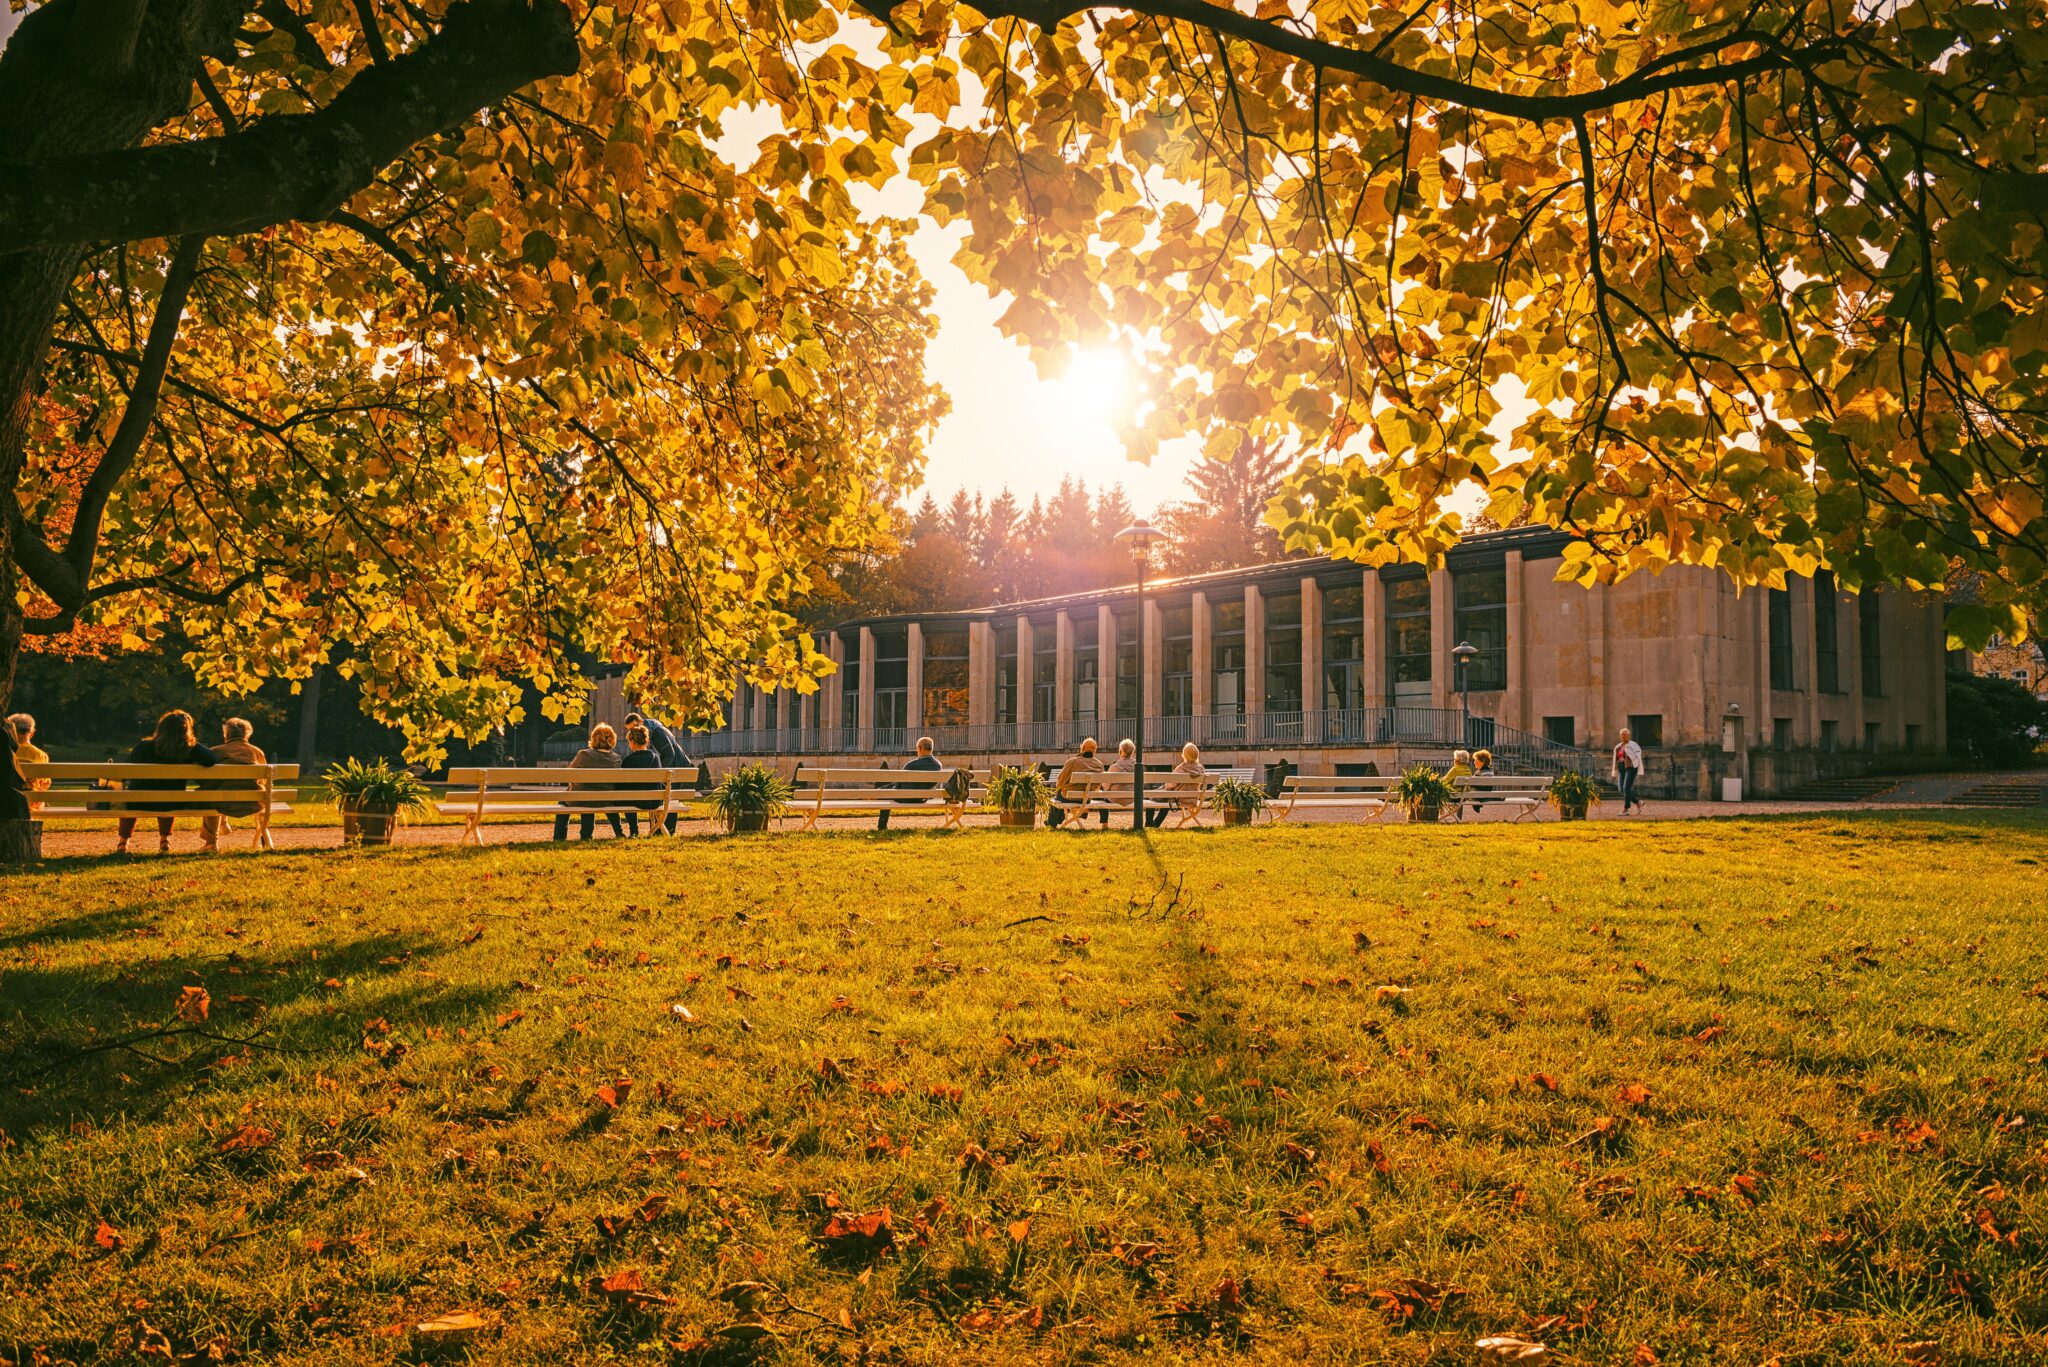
(1018, 788)
(1994, 722)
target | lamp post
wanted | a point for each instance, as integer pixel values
(1464, 653)
(1141, 536)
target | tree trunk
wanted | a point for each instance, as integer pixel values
(309, 719)
(21, 842)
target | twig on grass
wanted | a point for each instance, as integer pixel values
(129, 1044)
(1024, 921)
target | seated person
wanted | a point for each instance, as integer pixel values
(1126, 762)
(1190, 764)
(173, 742)
(640, 755)
(234, 748)
(1460, 770)
(1082, 761)
(927, 761)
(26, 751)
(601, 753)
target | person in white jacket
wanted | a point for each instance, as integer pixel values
(1627, 768)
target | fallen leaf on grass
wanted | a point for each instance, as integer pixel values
(1921, 1352)
(1633, 1094)
(1544, 1080)
(1645, 1356)
(627, 1290)
(109, 1238)
(1988, 1226)
(857, 1238)
(193, 1004)
(1746, 1186)
(683, 1014)
(613, 1095)
(449, 1330)
(1387, 992)
(247, 1139)
(1709, 1035)
(1509, 1348)
(1412, 1296)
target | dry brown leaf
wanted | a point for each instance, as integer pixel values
(1510, 1348)
(446, 1331)
(193, 1004)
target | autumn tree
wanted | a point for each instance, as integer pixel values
(1222, 522)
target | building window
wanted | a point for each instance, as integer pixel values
(892, 687)
(1006, 676)
(1870, 630)
(1177, 631)
(1781, 733)
(1344, 649)
(1226, 654)
(945, 677)
(1912, 737)
(1830, 737)
(849, 690)
(1561, 730)
(1783, 677)
(1408, 653)
(1479, 601)
(1128, 701)
(1873, 736)
(1647, 729)
(1827, 649)
(1283, 653)
(1045, 671)
(1087, 670)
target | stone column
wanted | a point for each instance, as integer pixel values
(1152, 688)
(1254, 664)
(1105, 672)
(1311, 661)
(832, 693)
(864, 710)
(1027, 651)
(1852, 668)
(1443, 669)
(1760, 640)
(1514, 707)
(1372, 638)
(1805, 659)
(1596, 667)
(768, 741)
(1063, 669)
(1932, 622)
(981, 674)
(1204, 660)
(913, 679)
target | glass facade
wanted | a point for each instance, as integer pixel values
(1006, 675)
(1283, 653)
(849, 691)
(1087, 670)
(1827, 650)
(1128, 700)
(945, 676)
(1343, 648)
(1870, 627)
(1479, 602)
(1045, 669)
(1177, 669)
(1408, 631)
(892, 685)
(1226, 668)
(1783, 676)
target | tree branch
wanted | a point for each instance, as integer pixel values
(65, 575)
(295, 166)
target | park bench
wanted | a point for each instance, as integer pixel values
(1181, 796)
(474, 794)
(1523, 793)
(1372, 794)
(845, 792)
(103, 791)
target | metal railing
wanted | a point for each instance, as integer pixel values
(1427, 729)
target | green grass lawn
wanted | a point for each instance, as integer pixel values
(1707, 1092)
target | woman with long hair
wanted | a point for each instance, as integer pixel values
(173, 742)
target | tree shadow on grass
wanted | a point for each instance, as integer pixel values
(81, 1041)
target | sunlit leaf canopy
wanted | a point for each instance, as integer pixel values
(579, 377)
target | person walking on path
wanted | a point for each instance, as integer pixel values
(601, 753)
(1627, 768)
(927, 761)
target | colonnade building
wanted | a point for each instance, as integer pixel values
(1339, 668)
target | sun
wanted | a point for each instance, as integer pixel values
(1097, 385)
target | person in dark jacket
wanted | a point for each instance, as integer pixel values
(668, 752)
(173, 742)
(927, 761)
(640, 756)
(601, 753)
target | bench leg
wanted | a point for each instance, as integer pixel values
(470, 834)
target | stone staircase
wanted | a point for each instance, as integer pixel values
(1847, 788)
(2013, 793)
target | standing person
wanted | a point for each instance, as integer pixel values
(1126, 762)
(601, 753)
(23, 727)
(173, 742)
(668, 753)
(234, 748)
(1082, 761)
(1628, 767)
(640, 756)
(926, 762)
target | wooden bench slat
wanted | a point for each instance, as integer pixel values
(110, 791)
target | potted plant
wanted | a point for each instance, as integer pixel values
(749, 797)
(1571, 792)
(372, 797)
(1423, 791)
(1018, 794)
(1237, 800)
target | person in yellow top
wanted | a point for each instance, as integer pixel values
(1460, 770)
(26, 751)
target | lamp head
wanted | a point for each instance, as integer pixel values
(1140, 537)
(1464, 652)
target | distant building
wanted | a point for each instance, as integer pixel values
(2025, 664)
(1336, 667)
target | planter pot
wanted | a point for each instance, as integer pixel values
(1019, 820)
(1571, 811)
(1237, 816)
(1425, 811)
(742, 822)
(374, 825)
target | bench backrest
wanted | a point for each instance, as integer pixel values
(540, 785)
(1362, 785)
(1519, 783)
(110, 787)
(897, 786)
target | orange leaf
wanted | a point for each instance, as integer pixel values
(109, 1238)
(193, 1004)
